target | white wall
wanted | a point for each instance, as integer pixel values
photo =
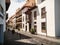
(57, 17)
(23, 22)
(50, 18)
(32, 24)
(24, 15)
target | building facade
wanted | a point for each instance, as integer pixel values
(42, 15)
(2, 20)
(48, 17)
(26, 18)
(47, 20)
(11, 24)
(18, 19)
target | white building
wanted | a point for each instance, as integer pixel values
(26, 15)
(48, 19)
(2, 20)
(34, 14)
(24, 19)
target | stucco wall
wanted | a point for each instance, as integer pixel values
(23, 22)
(32, 24)
(50, 18)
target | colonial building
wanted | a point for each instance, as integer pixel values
(15, 21)
(32, 13)
(48, 22)
(44, 19)
(2, 20)
(42, 15)
(18, 19)
(11, 24)
(26, 19)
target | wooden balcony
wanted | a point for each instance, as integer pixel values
(19, 18)
(19, 23)
(18, 15)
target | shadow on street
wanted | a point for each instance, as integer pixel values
(10, 39)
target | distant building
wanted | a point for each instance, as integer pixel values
(2, 20)
(14, 4)
(41, 15)
(11, 24)
(18, 19)
(26, 19)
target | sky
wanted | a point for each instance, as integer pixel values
(18, 0)
(15, 4)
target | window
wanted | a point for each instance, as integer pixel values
(23, 25)
(43, 26)
(35, 15)
(42, 0)
(35, 28)
(34, 22)
(43, 12)
(26, 28)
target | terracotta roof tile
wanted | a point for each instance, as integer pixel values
(29, 4)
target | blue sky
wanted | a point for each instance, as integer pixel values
(18, 0)
(15, 4)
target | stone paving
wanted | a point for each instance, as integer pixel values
(23, 38)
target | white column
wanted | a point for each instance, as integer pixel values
(27, 27)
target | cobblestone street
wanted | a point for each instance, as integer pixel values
(25, 39)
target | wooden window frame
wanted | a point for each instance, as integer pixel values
(43, 12)
(35, 15)
(43, 27)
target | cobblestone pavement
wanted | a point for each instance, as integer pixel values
(22, 39)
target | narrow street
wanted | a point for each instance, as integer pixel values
(22, 39)
(17, 39)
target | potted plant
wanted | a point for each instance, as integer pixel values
(32, 31)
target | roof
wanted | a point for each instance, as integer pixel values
(31, 9)
(29, 4)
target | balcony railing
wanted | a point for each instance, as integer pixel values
(18, 22)
(19, 18)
